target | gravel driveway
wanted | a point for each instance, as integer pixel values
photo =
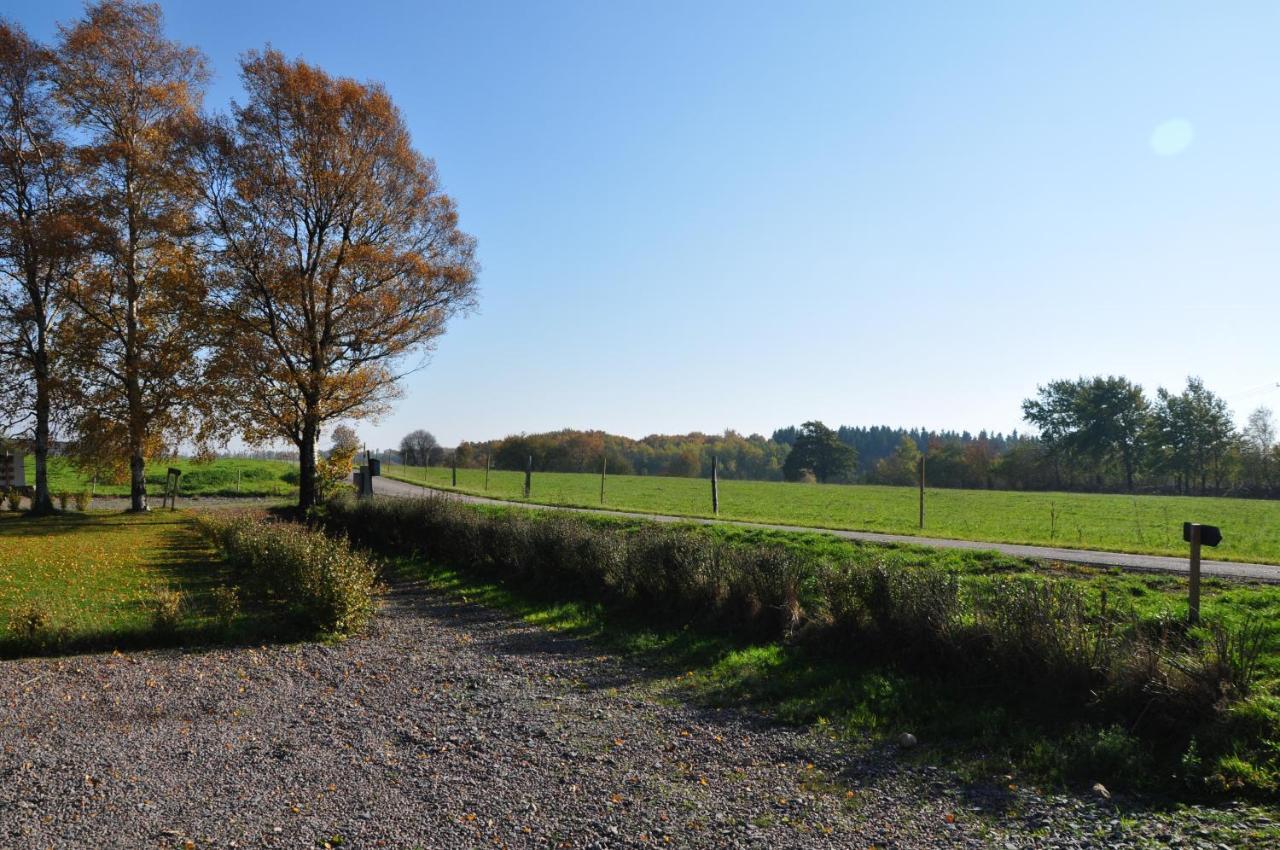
(453, 726)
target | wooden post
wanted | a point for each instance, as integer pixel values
(715, 484)
(486, 470)
(528, 476)
(1193, 602)
(455, 467)
(922, 491)
(604, 467)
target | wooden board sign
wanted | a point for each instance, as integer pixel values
(1210, 535)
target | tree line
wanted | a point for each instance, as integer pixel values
(688, 455)
(169, 275)
(1099, 433)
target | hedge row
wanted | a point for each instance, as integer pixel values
(1021, 634)
(319, 581)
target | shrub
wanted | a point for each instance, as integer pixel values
(30, 622)
(322, 582)
(226, 605)
(167, 609)
(83, 500)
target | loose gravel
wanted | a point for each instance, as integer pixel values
(452, 726)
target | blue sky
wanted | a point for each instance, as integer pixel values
(699, 216)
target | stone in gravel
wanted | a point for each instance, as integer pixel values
(1101, 791)
(906, 740)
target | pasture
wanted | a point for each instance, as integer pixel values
(1139, 524)
(226, 477)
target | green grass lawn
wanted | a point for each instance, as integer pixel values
(1140, 524)
(95, 579)
(223, 477)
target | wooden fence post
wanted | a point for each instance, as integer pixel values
(922, 491)
(604, 468)
(1193, 601)
(455, 467)
(486, 471)
(528, 476)
(715, 485)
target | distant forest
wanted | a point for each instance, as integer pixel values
(1101, 434)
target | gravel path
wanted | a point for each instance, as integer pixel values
(1269, 573)
(453, 726)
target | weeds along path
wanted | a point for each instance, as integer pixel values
(1133, 563)
(452, 726)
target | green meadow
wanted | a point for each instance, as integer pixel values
(222, 477)
(1138, 524)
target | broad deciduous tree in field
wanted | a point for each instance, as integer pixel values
(416, 447)
(41, 236)
(340, 254)
(1190, 434)
(1100, 421)
(138, 325)
(818, 450)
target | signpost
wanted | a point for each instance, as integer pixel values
(171, 489)
(12, 473)
(1197, 534)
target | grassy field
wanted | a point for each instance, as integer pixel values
(96, 580)
(223, 477)
(1140, 524)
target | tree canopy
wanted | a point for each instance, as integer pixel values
(338, 253)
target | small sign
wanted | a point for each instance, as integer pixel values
(11, 471)
(1210, 535)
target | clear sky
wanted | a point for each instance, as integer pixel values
(699, 216)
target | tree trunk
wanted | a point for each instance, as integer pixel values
(307, 464)
(41, 503)
(137, 436)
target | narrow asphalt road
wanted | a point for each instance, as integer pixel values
(1135, 563)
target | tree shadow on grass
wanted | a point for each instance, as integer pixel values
(190, 565)
(54, 524)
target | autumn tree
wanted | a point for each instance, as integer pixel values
(340, 255)
(902, 467)
(335, 467)
(134, 96)
(41, 236)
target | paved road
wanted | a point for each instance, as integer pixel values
(1133, 563)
